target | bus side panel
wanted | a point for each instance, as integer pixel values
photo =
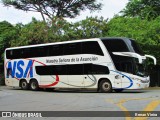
(8, 81)
(90, 81)
(76, 81)
(54, 81)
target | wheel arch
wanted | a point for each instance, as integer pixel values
(33, 79)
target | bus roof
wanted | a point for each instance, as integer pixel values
(71, 41)
(63, 42)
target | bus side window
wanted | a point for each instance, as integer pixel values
(91, 48)
(75, 69)
(72, 48)
(60, 70)
(55, 50)
(9, 54)
(95, 69)
(99, 69)
(87, 69)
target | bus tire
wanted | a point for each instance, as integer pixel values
(105, 86)
(34, 85)
(24, 85)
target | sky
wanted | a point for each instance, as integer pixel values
(109, 9)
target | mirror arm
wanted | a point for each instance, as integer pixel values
(152, 57)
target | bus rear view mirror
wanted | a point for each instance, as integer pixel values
(152, 57)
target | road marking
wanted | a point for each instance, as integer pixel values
(120, 104)
(150, 107)
(127, 113)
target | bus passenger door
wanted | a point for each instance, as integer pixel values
(75, 75)
(122, 80)
(126, 80)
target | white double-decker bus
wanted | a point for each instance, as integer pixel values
(104, 64)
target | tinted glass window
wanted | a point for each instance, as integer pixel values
(98, 69)
(95, 69)
(115, 45)
(55, 50)
(14, 54)
(87, 69)
(91, 48)
(9, 54)
(124, 63)
(136, 48)
(73, 69)
(60, 70)
(52, 70)
(35, 52)
(27, 52)
(76, 69)
(72, 48)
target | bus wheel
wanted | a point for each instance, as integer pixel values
(34, 85)
(23, 84)
(105, 86)
(118, 90)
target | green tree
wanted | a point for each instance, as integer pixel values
(91, 27)
(34, 32)
(52, 8)
(7, 34)
(145, 9)
(153, 31)
(131, 28)
(146, 33)
(38, 32)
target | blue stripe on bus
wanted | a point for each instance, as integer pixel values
(131, 81)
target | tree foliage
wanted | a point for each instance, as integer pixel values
(145, 9)
(91, 27)
(146, 33)
(34, 32)
(37, 32)
(7, 34)
(52, 8)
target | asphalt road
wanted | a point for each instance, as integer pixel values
(15, 99)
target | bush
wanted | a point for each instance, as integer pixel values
(2, 82)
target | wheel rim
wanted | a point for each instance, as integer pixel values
(106, 86)
(33, 85)
(24, 84)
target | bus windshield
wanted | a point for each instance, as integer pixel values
(135, 47)
(141, 69)
(130, 65)
(126, 63)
